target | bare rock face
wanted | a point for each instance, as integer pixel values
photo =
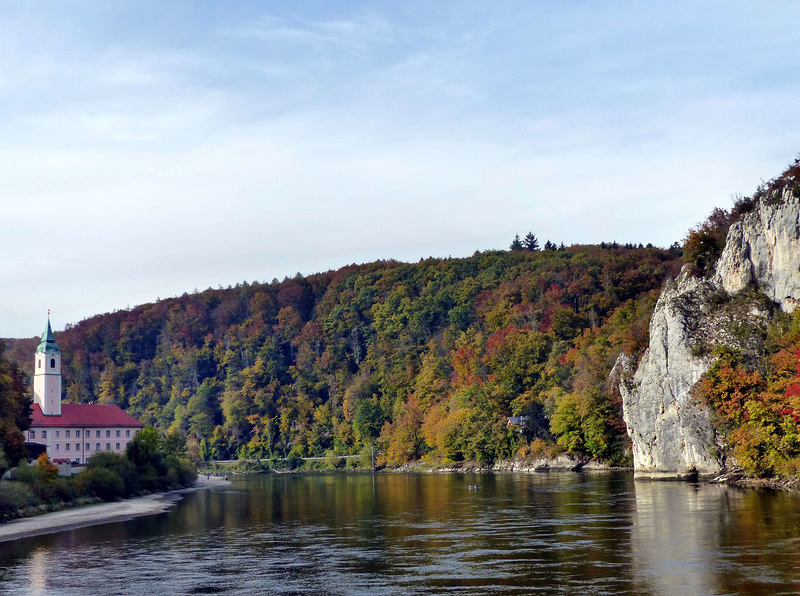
(671, 432)
(763, 251)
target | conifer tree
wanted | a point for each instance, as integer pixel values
(516, 244)
(530, 243)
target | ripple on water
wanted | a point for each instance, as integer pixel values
(426, 535)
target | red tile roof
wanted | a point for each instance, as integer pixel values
(85, 415)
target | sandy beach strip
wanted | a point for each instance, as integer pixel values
(102, 513)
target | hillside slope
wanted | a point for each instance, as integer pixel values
(427, 359)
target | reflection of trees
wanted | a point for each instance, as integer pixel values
(406, 533)
(759, 541)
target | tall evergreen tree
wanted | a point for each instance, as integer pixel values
(530, 243)
(516, 244)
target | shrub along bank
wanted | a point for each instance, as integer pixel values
(151, 463)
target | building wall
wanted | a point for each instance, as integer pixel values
(79, 444)
(47, 382)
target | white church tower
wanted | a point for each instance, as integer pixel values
(47, 374)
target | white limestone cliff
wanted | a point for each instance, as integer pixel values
(671, 432)
(763, 251)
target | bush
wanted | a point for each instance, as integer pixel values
(120, 465)
(64, 489)
(39, 479)
(703, 245)
(13, 497)
(180, 471)
(365, 456)
(333, 461)
(293, 462)
(102, 482)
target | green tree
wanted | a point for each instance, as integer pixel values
(15, 408)
(531, 243)
(145, 451)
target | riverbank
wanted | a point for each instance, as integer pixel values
(739, 479)
(560, 463)
(103, 513)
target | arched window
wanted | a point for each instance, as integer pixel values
(52, 363)
(40, 364)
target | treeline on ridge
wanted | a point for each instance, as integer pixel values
(425, 360)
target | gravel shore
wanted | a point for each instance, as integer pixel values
(103, 513)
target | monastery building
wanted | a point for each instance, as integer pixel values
(72, 432)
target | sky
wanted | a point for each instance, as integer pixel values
(154, 148)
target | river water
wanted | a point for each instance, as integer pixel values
(590, 533)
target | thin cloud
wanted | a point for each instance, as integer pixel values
(163, 154)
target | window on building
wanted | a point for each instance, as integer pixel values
(98, 447)
(117, 446)
(88, 447)
(77, 446)
(44, 434)
(67, 446)
(68, 434)
(52, 363)
(98, 434)
(39, 363)
(33, 434)
(117, 433)
(108, 434)
(58, 446)
(58, 433)
(127, 433)
(77, 434)
(108, 446)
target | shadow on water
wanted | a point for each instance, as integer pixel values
(404, 533)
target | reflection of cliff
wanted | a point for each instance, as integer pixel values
(674, 537)
(707, 539)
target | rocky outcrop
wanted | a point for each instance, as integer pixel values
(763, 251)
(671, 432)
(566, 462)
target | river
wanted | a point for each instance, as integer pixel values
(590, 533)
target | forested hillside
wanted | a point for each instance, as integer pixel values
(14, 412)
(422, 360)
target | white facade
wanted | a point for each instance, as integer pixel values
(79, 444)
(47, 382)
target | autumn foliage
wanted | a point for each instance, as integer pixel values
(759, 413)
(425, 360)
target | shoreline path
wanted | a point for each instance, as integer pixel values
(102, 513)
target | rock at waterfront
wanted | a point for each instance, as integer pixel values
(671, 433)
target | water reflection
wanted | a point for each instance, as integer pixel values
(39, 564)
(673, 526)
(389, 534)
